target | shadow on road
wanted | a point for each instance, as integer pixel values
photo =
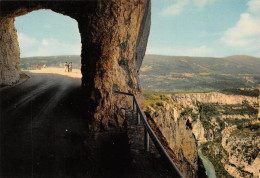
(43, 133)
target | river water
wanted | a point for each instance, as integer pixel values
(210, 171)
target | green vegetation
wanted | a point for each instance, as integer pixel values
(208, 149)
(236, 121)
(246, 129)
(253, 127)
(243, 109)
(155, 99)
(245, 92)
(207, 111)
(188, 112)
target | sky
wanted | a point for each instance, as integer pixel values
(212, 28)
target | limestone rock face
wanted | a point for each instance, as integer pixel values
(198, 131)
(9, 52)
(114, 36)
(178, 136)
(214, 97)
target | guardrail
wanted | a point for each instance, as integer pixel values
(149, 132)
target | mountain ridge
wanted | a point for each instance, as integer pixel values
(199, 73)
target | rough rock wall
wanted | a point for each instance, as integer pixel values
(9, 52)
(114, 36)
(179, 137)
(111, 41)
(199, 131)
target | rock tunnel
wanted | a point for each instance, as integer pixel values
(114, 37)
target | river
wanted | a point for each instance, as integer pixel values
(210, 171)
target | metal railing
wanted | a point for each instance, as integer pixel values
(148, 132)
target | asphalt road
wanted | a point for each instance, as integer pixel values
(42, 133)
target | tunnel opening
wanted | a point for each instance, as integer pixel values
(48, 41)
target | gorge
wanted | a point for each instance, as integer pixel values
(226, 127)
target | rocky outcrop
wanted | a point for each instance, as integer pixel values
(9, 52)
(178, 134)
(114, 36)
(199, 131)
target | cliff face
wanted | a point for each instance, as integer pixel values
(213, 97)
(178, 134)
(227, 130)
(114, 36)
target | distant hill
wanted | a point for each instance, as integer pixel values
(180, 73)
(50, 61)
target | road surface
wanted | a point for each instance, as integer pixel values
(42, 133)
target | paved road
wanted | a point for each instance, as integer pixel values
(42, 133)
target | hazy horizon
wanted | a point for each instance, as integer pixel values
(152, 54)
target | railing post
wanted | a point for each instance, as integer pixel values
(138, 117)
(146, 140)
(133, 104)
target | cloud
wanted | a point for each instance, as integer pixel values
(26, 41)
(30, 47)
(174, 9)
(179, 6)
(201, 3)
(52, 46)
(45, 42)
(246, 33)
(180, 51)
(254, 6)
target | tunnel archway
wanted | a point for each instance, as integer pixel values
(47, 33)
(114, 37)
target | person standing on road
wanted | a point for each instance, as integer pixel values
(37, 66)
(70, 67)
(66, 66)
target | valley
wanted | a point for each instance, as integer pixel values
(226, 127)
